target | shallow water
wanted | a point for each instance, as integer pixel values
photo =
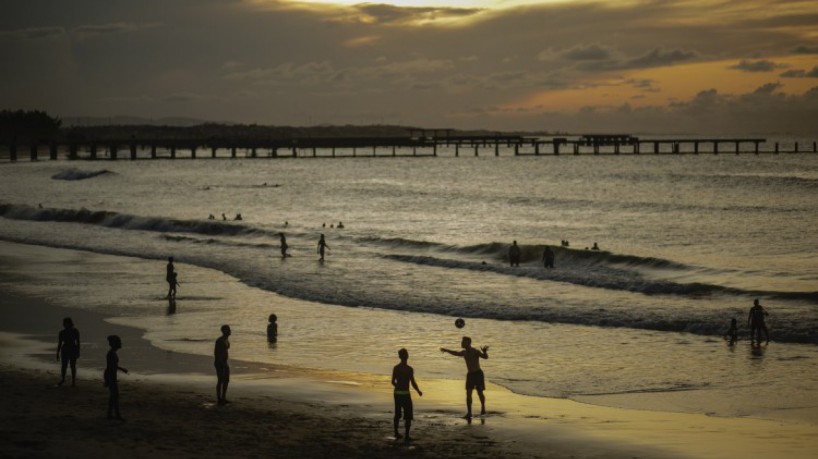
(687, 243)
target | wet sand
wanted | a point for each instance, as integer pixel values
(282, 411)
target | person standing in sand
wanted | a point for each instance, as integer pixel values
(402, 376)
(322, 245)
(548, 257)
(220, 353)
(757, 324)
(110, 377)
(68, 350)
(474, 378)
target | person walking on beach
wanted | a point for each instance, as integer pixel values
(220, 353)
(514, 254)
(174, 282)
(110, 377)
(474, 377)
(548, 257)
(402, 376)
(68, 350)
(284, 245)
(756, 322)
(322, 244)
(169, 276)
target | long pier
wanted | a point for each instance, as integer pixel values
(412, 146)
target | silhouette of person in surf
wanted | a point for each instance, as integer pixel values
(174, 282)
(474, 376)
(284, 245)
(110, 377)
(169, 277)
(548, 257)
(272, 329)
(595, 247)
(68, 350)
(402, 376)
(757, 323)
(732, 333)
(322, 244)
(220, 354)
(514, 254)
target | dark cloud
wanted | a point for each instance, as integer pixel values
(33, 33)
(804, 49)
(756, 66)
(592, 52)
(800, 73)
(91, 30)
(656, 57)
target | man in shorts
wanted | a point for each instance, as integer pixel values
(474, 378)
(220, 352)
(402, 376)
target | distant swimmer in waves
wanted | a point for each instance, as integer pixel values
(548, 257)
(595, 247)
(238, 217)
(514, 254)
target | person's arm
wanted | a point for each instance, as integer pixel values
(122, 369)
(414, 384)
(395, 376)
(78, 344)
(59, 345)
(454, 353)
(750, 317)
(484, 352)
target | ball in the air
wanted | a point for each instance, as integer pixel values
(459, 323)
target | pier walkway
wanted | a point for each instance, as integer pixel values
(412, 146)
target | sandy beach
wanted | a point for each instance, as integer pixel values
(285, 411)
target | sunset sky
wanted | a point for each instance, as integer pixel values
(695, 66)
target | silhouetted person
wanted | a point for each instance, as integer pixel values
(224, 217)
(548, 257)
(211, 217)
(340, 225)
(220, 352)
(272, 328)
(514, 254)
(322, 244)
(174, 282)
(756, 322)
(238, 217)
(169, 272)
(474, 376)
(402, 376)
(110, 376)
(68, 350)
(732, 332)
(595, 247)
(284, 245)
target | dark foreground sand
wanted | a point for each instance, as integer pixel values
(39, 420)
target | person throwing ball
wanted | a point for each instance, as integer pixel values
(474, 378)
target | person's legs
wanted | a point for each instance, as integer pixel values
(73, 363)
(396, 420)
(482, 400)
(468, 402)
(63, 367)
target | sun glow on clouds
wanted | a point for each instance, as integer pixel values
(665, 85)
(481, 4)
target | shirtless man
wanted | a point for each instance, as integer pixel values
(402, 376)
(474, 378)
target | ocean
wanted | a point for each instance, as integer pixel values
(687, 243)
